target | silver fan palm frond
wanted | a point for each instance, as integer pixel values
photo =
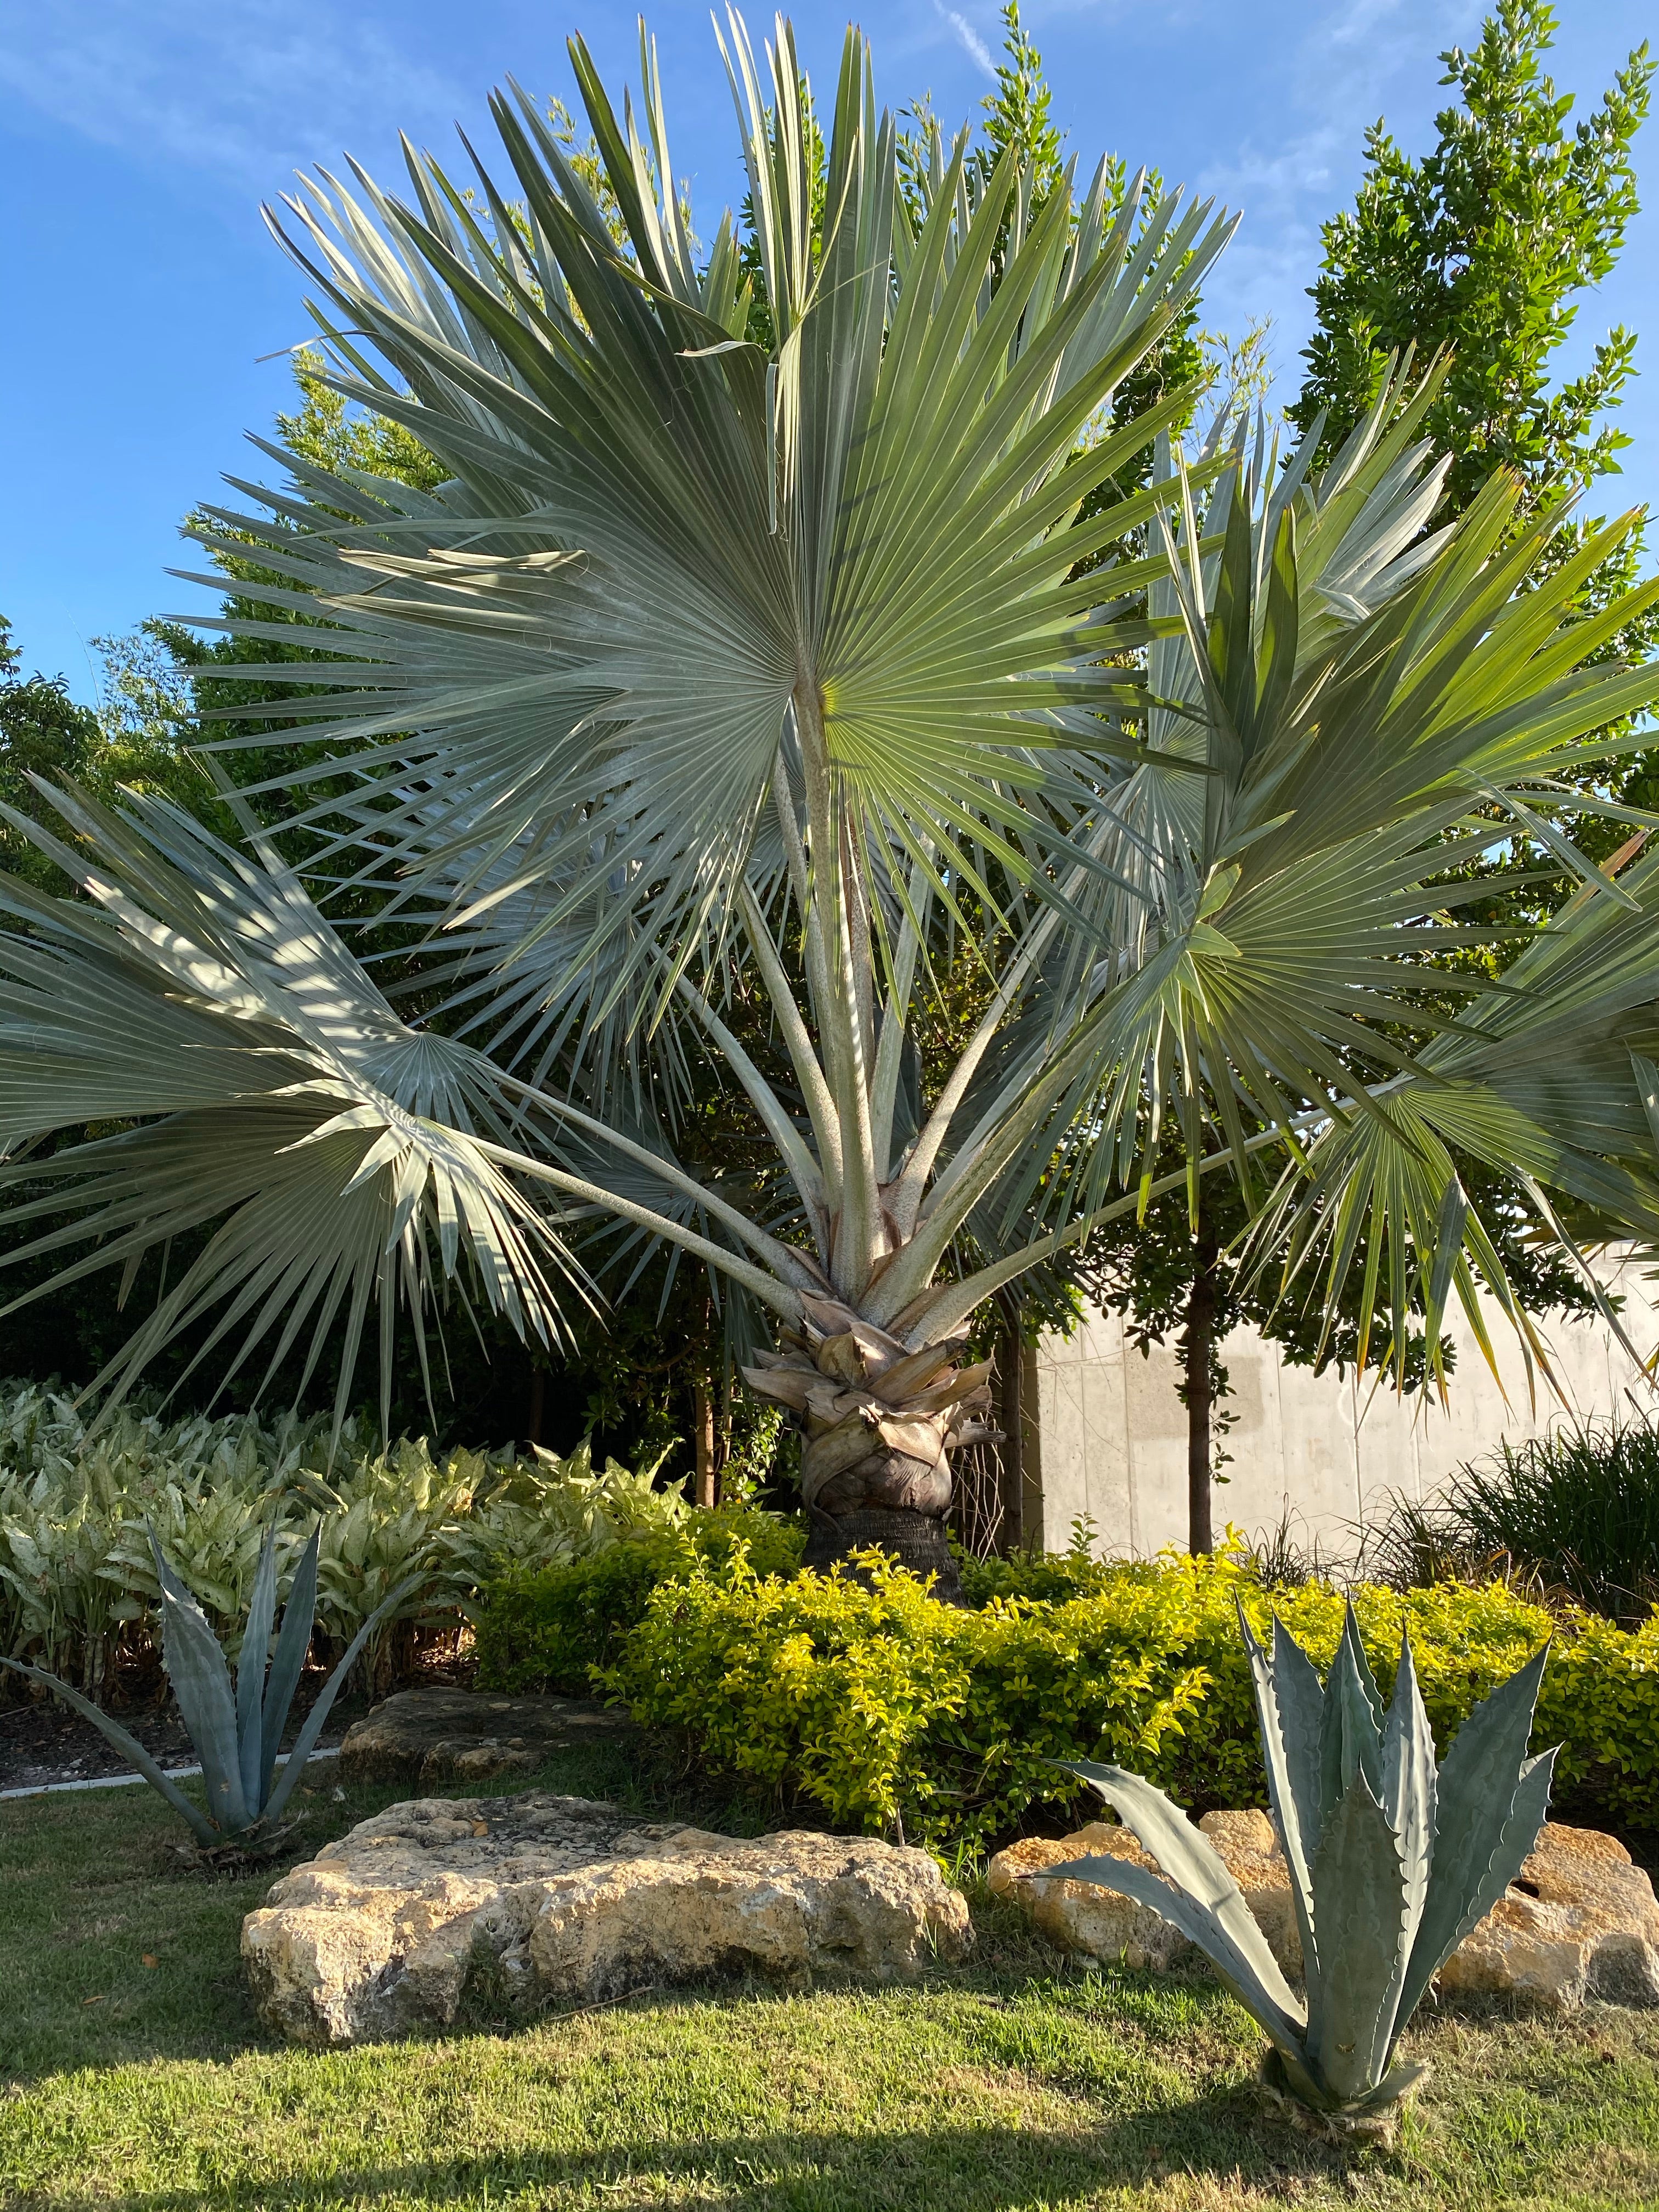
(661, 551)
(344, 1156)
(789, 640)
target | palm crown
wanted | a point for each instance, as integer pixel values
(797, 662)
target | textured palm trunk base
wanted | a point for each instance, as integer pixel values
(878, 1425)
(916, 1540)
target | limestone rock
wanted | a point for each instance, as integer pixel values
(1078, 1916)
(434, 1736)
(562, 1900)
(1580, 1921)
(1081, 1916)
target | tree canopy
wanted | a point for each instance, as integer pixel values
(1485, 245)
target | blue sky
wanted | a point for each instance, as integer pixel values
(139, 138)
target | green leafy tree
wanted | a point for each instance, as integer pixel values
(1018, 115)
(1483, 249)
(1192, 1283)
(708, 667)
(45, 732)
(1485, 245)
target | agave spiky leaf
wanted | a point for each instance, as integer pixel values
(305, 1743)
(1358, 1907)
(1410, 1796)
(127, 1744)
(1351, 1737)
(1290, 1701)
(293, 1642)
(1492, 1800)
(1208, 1907)
(201, 1683)
(1392, 1861)
(251, 1669)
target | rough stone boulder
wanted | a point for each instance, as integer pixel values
(1078, 1916)
(434, 1736)
(564, 1901)
(1580, 1920)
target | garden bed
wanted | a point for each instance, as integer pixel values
(43, 1743)
(139, 2077)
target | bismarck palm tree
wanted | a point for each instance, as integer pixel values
(717, 678)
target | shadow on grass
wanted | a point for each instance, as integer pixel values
(116, 1947)
(988, 2168)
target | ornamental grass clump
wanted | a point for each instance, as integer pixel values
(1392, 1862)
(1574, 1513)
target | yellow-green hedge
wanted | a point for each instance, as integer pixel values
(882, 1704)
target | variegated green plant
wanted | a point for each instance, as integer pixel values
(1392, 1861)
(235, 1724)
(78, 1504)
(808, 670)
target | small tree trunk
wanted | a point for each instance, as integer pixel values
(537, 1402)
(1196, 1352)
(1011, 1375)
(703, 1400)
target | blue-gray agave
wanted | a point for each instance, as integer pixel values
(235, 1724)
(1392, 1861)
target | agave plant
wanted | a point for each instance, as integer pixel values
(810, 671)
(236, 1724)
(1392, 1859)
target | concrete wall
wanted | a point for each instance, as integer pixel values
(1112, 1433)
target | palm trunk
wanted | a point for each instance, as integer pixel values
(880, 1424)
(1197, 1351)
(918, 1541)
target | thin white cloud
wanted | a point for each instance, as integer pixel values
(1355, 62)
(968, 37)
(244, 89)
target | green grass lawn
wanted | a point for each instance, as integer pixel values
(1019, 2082)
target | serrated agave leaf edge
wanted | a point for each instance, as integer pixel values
(1351, 1738)
(1528, 1809)
(1282, 1784)
(1479, 1796)
(1410, 1785)
(1359, 1903)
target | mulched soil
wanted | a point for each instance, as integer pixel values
(44, 1740)
(47, 1742)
